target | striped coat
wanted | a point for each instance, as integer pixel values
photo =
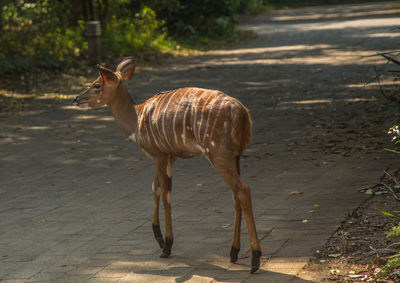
(192, 121)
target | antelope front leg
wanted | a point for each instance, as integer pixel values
(164, 178)
(156, 219)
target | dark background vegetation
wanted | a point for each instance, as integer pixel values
(50, 33)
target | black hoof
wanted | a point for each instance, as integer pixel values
(167, 248)
(234, 254)
(158, 235)
(255, 261)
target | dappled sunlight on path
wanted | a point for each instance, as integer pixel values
(75, 195)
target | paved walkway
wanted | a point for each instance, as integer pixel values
(75, 195)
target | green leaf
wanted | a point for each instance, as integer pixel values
(392, 150)
(387, 213)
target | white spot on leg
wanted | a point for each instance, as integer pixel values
(132, 137)
(156, 190)
(169, 197)
(169, 173)
(212, 143)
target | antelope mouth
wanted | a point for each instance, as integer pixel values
(77, 102)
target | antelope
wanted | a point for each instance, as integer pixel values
(185, 122)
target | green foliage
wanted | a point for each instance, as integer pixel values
(390, 69)
(50, 33)
(139, 34)
(395, 233)
(395, 133)
(35, 33)
(211, 18)
(393, 262)
(387, 213)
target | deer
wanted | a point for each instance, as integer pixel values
(186, 122)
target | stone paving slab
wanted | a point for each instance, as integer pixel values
(75, 195)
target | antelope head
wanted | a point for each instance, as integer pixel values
(103, 90)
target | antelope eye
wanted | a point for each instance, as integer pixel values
(96, 85)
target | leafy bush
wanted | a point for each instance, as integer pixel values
(36, 33)
(49, 33)
(395, 132)
(139, 34)
(391, 263)
(391, 69)
(395, 233)
(211, 18)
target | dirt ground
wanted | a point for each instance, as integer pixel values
(75, 196)
(359, 249)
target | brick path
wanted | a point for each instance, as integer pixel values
(75, 195)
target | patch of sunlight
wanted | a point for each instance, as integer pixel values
(38, 128)
(85, 117)
(286, 265)
(23, 138)
(359, 99)
(330, 57)
(94, 117)
(378, 34)
(200, 279)
(311, 101)
(254, 83)
(358, 24)
(106, 118)
(335, 15)
(321, 101)
(57, 96)
(6, 93)
(374, 84)
(258, 50)
(73, 107)
(54, 95)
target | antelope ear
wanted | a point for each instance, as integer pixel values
(126, 68)
(107, 75)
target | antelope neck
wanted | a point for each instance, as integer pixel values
(124, 111)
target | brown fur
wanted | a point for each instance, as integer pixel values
(184, 123)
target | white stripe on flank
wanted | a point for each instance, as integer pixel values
(156, 113)
(210, 111)
(157, 118)
(163, 121)
(216, 118)
(176, 112)
(143, 127)
(189, 105)
(202, 116)
(195, 115)
(139, 127)
(151, 130)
